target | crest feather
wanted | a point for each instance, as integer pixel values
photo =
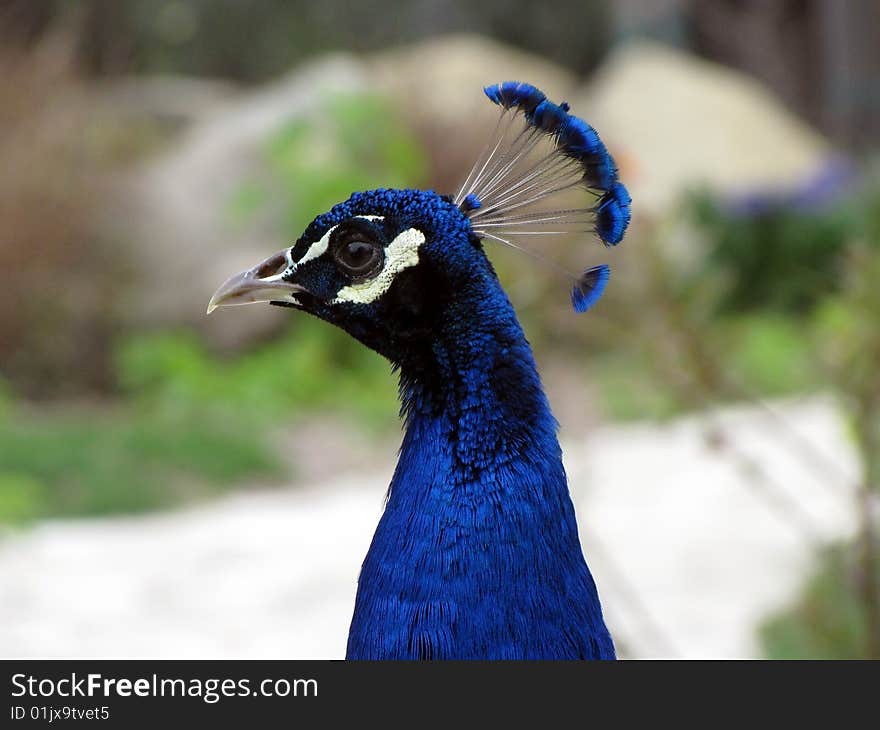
(538, 152)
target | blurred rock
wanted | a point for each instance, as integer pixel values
(169, 100)
(437, 85)
(674, 122)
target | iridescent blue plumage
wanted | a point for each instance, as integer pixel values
(548, 117)
(471, 202)
(589, 287)
(612, 214)
(515, 94)
(477, 553)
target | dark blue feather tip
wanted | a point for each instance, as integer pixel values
(589, 287)
(574, 137)
(600, 171)
(577, 138)
(613, 214)
(471, 202)
(548, 117)
(515, 94)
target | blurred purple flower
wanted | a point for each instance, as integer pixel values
(833, 181)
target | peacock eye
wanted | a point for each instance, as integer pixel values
(358, 258)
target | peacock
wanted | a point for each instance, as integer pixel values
(477, 553)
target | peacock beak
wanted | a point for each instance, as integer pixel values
(261, 283)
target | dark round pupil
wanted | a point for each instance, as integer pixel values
(358, 253)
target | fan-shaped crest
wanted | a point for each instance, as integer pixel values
(537, 153)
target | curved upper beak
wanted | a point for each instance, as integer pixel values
(261, 283)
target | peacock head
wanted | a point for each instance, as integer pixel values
(383, 265)
(391, 267)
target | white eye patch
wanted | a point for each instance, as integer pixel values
(400, 254)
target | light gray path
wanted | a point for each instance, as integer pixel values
(272, 574)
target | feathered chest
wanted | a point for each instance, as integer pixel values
(477, 553)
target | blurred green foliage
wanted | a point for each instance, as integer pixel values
(191, 423)
(748, 316)
(827, 621)
(188, 421)
(812, 275)
(628, 389)
(778, 256)
(70, 461)
(773, 355)
(315, 367)
(768, 355)
(356, 142)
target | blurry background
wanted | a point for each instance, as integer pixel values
(182, 486)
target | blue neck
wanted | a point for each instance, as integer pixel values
(477, 554)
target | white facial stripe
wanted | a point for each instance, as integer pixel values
(400, 254)
(319, 247)
(315, 250)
